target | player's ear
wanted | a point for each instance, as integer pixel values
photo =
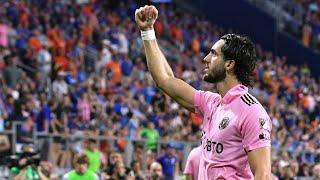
(230, 64)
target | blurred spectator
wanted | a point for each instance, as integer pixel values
(105, 55)
(59, 86)
(136, 170)
(316, 171)
(119, 172)
(81, 170)
(12, 73)
(83, 106)
(94, 155)
(169, 162)
(114, 68)
(4, 149)
(114, 159)
(44, 60)
(25, 134)
(3, 33)
(151, 135)
(44, 117)
(59, 146)
(155, 172)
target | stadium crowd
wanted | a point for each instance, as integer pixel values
(78, 67)
(304, 20)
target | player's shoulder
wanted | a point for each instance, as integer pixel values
(207, 94)
(206, 98)
(248, 100)
(196, 151)
(252, 112)
(250, 103)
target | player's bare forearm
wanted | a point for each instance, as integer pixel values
(157, 63)
(260, 163)
(262, 176)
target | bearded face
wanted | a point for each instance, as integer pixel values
(215, 70)
(215, 74)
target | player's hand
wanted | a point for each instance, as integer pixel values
(145, 17)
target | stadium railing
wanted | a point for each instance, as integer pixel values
(183, 147)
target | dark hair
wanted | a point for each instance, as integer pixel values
(242, 50)
(82, 159)
(133, 163)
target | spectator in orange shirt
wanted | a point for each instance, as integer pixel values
(60, 61)
(86, 32)
(115, 67)
(158, 26)
(60, 42)
(195, 45)
(196, 120)
(53, 33)
(306, 35)
(176, 32)
(34, 42)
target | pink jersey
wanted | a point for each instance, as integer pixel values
(232, 126)
(192, 164)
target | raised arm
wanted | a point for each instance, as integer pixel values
(158, 66)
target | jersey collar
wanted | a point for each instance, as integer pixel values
(234, 92)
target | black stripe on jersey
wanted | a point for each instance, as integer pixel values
(245, 101)
(246, 98)
(252, 99)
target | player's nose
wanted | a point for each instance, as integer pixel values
(205, 59)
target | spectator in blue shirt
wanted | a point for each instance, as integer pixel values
(169, 162)
(44, 117)
(126, 65)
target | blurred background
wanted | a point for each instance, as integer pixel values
(73, 79)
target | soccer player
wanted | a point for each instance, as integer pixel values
(236, 128)
(191, 170)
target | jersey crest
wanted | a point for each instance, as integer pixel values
(224, 123)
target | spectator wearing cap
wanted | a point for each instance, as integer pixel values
(169, 162)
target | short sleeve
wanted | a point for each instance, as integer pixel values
(193, 161)
(202, 101)
(255, 128)
(188, 169)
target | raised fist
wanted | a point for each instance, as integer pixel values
(145, 17)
